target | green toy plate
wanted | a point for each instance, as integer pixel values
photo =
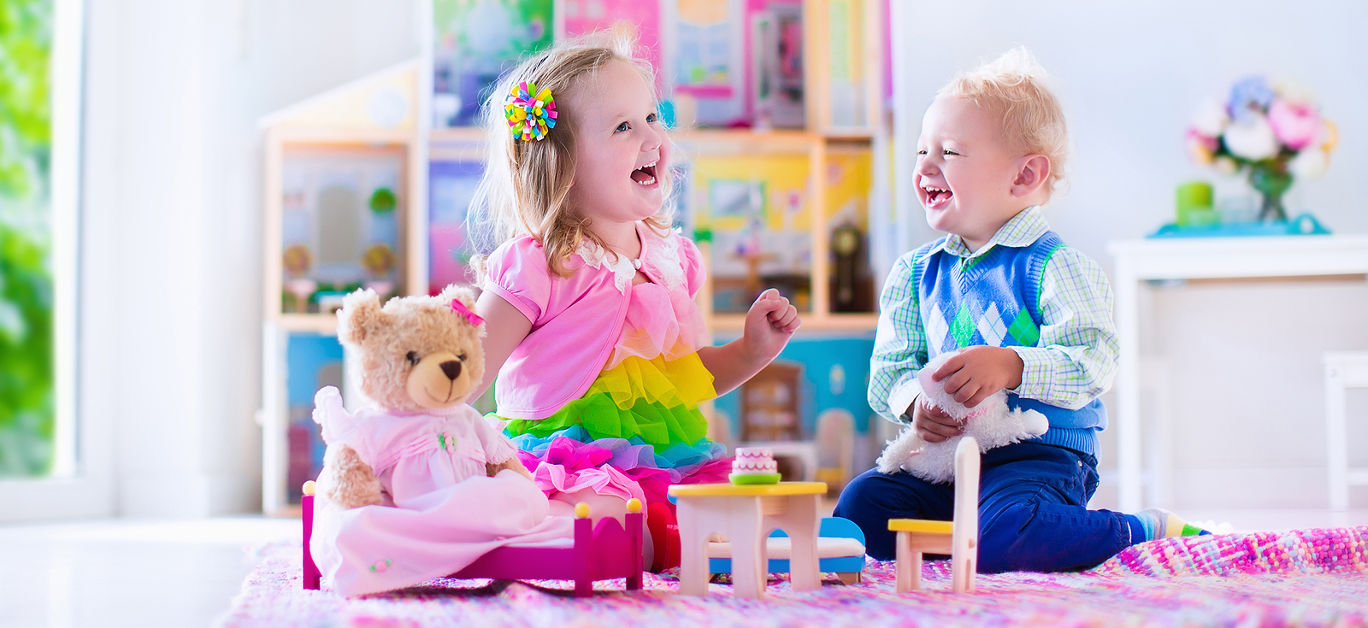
(754, 478)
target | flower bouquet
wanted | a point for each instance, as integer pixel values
(1272, 133)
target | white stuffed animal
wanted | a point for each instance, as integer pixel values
(991, 423)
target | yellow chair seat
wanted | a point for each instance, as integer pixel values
(925, 526)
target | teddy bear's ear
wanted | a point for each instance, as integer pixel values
(360, 314)
(466, 296)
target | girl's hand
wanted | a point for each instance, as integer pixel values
(977, 372)
(933, 425)
(770, 323)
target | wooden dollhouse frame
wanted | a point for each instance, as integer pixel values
(393, 108)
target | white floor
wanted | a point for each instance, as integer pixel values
(185, 573)
(128, 573)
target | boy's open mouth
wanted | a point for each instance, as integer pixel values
(645, 175)
(937, 196)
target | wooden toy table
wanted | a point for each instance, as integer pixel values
(746, 515)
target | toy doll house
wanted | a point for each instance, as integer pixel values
(369, 185)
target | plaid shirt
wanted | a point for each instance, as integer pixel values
(1072, 363)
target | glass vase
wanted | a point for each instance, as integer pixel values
(1271, 181)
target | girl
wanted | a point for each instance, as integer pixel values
(589, 299)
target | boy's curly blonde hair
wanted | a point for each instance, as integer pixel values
(526, 185)
(1013, 88)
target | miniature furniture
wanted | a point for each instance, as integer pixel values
(744, 515)
(958, 538)
(769, 404)
(1343, 370)
(771, 416)
(615, 552)
(836, 447)
(1139, 262)
(840, 550)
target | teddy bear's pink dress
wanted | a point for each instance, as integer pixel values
(441, 512)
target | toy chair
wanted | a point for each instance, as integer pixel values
(958, 538)
(616, 552)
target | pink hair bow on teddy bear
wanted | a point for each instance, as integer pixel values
(460, 308)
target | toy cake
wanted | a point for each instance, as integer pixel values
(754, 465)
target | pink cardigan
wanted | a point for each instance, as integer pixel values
(576, 320)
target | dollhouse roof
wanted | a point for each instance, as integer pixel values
(383, 101)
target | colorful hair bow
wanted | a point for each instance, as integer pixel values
(529, 117)
(460, 308)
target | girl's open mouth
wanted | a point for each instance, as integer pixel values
(646, 175)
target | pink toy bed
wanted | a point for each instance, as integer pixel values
(597, 552)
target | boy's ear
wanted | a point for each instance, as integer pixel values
(1031, 175)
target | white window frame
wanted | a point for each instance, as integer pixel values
(81, 484)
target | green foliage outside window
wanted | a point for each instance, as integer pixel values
(27, 406)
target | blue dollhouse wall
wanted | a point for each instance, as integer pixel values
(314, 361)
(835, 375)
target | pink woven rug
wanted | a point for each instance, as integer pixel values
(1316, 577)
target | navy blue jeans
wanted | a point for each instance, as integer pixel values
(1033, 513)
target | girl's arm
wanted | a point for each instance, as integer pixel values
(770, 323)
(505, 328)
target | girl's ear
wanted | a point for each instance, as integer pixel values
(359, 316)
(1032, 173)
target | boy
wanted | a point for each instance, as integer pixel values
(1030, 314)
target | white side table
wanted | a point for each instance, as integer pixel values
(1343, 370)
(1141, 261)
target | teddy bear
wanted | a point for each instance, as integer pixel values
(418, 358)
(991, 423)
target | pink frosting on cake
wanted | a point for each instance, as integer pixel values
(754, 460)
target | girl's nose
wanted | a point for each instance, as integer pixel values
(654, 138)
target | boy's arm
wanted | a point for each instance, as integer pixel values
(1075, 358)
(899, 345)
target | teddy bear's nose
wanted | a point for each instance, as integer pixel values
(452, 368)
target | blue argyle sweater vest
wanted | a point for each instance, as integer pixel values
(994, 300)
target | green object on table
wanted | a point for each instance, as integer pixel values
(753, 478)
(1194, 204)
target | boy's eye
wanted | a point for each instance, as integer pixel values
(621, 128)
(949, 152)
(921, 151)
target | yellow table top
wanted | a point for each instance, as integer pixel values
(725, 489)
(921, 525)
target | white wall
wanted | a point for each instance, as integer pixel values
(173, 150)
(1244, 358)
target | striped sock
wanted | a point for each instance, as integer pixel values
(1159, 523)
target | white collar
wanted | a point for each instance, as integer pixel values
(660, 255)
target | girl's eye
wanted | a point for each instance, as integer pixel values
(921, 151)
(949, 152)
(412, 358)
(651, 118)
(621, 128)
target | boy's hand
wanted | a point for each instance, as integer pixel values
(977, 372)
(933, 425)
(770, 323)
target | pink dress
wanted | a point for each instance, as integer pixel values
(441, 512)
(637, 428)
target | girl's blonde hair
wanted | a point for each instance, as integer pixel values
(1013, 88)
(526, 185)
